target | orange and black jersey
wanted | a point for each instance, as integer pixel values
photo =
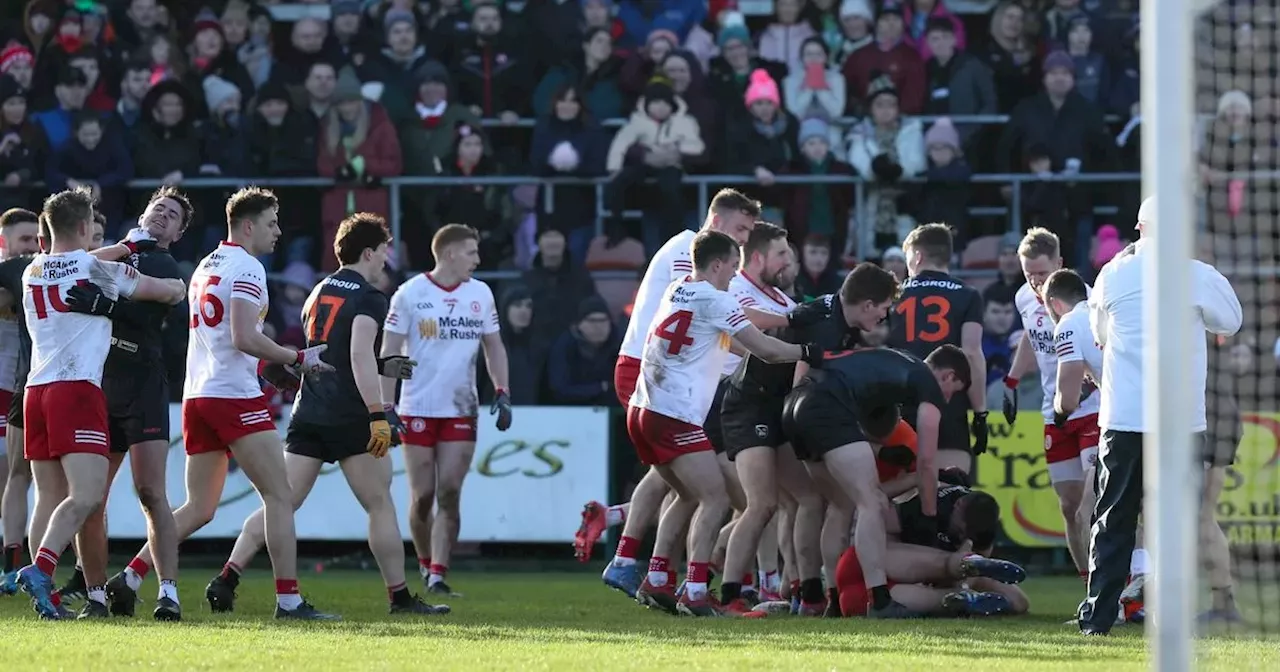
(931, 311)
(332, 398)
(878, 378)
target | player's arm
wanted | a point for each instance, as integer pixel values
(393, 344)
(1070, 381)
(768, 348)
(971, 343)
(763, 319)
(1099, 320)
(169, 291)
(364, 365)
(495, 359)
(900, 484)
(1024, 358)
(141, 313)
(1217, 302)
(928, 417)
(246, 338)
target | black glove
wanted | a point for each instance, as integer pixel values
(979, 429)
(1060, 419)
(811, 354)
(954, 476)
(398, 367)
(502, 408)
(1010, 400)
(89, 299)
(346, 173)
(1086, 389)
(397, 425)
(808, 314)
(281, 377)
(886, 169)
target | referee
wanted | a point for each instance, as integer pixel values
(1115, 315)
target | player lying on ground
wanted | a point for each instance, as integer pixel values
(223, 406)
(693, 328)
(442, 319)
(64, 408)
(338, 416)
(137, 392)
(939, 571)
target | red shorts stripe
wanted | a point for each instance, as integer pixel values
(427, 432)
(625, 374)
(62, 418)
(210, 424)
(6, 399)
(660, 439)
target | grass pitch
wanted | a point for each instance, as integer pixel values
(569, 622)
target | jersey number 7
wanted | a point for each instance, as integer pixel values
(675, 331)
(321, 313)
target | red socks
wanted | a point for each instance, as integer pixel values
(141, 568)
(628, 547)
(699, 572)
(439, 570)
(46, 561)
(658, 564)
(231, 570)
(286, 586)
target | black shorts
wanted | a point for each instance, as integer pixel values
(137, 408)
(15, 404)
(711, 425)
(816, 421)
(327, 443)
(750, 418)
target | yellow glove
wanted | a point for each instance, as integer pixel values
(379, 434)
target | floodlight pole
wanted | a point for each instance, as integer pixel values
(1172, 485)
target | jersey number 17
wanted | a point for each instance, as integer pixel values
(318, 317)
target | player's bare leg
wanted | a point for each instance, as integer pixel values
(755, 470)
(807, 525)
(83, 476)
(13, 509)
(1070, 497)
(853, 468)
(91, 549)
(722, 540)
(646, 506)
(420, 465)
(370, 481)
(149, 461)
(834, 531)
(954, 459)
(768, 577)
(785, 521)
(1216, 552)
(701, 503)
(453, 461)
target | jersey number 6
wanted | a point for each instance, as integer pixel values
(675, 331)
(935, 311)
(207, 307)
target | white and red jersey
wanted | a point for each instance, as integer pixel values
(444, 326)
(10, 344)
(673, 261)
(215, 368)
(1074, 343)
(1040, 333)
(751, 293)
(685, 350)
(68, 346)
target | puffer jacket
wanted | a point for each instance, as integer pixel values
(680, 129)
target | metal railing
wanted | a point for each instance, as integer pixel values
(702, 183)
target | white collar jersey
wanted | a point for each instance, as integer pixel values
(1041, 335)
(215, 367)
(673, 261)
(1116, 321)
(751, 293)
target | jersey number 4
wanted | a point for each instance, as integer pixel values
(318, 317)
(934, 310)
(675, 331)
(207, 307)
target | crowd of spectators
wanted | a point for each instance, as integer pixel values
(638, 92)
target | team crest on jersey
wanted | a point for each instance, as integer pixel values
(475, 307)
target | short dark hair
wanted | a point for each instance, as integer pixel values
(100, 219)
(83, 117)
(450, 234)
(952, 358)
(868, 282)
(817, 240)
(171, 192)
(731, 200)
(980, 518)
(135, 63)
(761, 237)
(357, 233)
(1065, 285)
(934, 241)
(248, 203)
(66, 210)
(15, 216)
(998, 294)
(940, 24)
(711, 246)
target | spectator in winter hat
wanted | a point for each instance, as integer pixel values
(890, 54)
(946, 190)
(281, 142)
(884, 149)
(1093, 73)
(580, 363)
(346, 35)
(493, 69)
(918, 14)
(856, 23)
(818, 208)
(17, 61)
(894, 260)
(22, 144)
(394, 66)
(762, 142)
(815, 89)
(1108, 245)
(730, 73)
(642, 64)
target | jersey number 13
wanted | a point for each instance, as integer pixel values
(926, 318)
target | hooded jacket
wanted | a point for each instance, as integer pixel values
(680, 129)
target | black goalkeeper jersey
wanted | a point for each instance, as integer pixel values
(137, 327)
(11, 271)
(918, 529)
(332, 398)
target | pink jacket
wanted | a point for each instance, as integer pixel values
(940, 11)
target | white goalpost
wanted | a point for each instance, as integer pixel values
(1169, 170)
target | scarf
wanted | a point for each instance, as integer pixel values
(821, 212)
(431, 116)
(886, 215)
(773, 129)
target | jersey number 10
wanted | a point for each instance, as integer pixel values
(55, 300)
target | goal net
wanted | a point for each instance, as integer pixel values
(1237, 99)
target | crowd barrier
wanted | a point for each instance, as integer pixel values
(1014, 471)
(527, 484)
